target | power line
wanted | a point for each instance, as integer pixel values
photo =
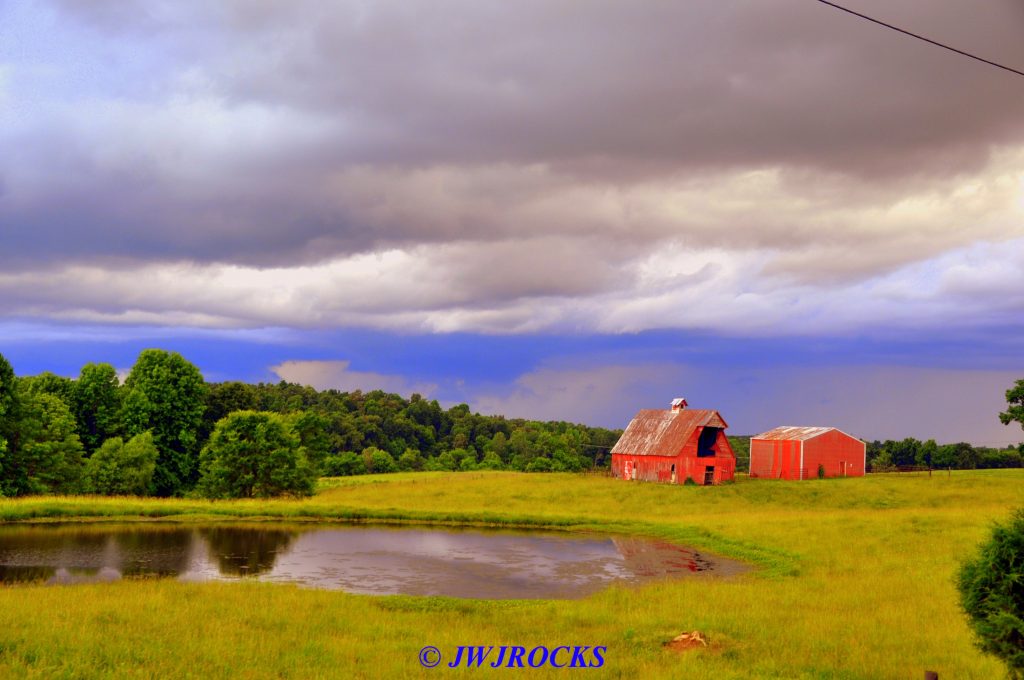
(921, 37)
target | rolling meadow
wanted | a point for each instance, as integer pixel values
(854, 579)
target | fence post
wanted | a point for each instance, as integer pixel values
(931, 675)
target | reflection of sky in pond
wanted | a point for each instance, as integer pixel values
(358, 559)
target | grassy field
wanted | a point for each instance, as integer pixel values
(855, 580)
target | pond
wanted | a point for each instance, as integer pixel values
(377, 560)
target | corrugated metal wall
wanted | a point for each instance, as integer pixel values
(660, 468)
(840, 455)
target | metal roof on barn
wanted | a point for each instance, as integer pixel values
(795, 433)
(654, 432)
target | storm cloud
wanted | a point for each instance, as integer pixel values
(737, 166)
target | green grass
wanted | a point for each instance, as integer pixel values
(855, 580)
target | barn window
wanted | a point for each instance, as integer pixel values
(706, 443)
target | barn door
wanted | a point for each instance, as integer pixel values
(709, 475)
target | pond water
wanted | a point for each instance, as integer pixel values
(366, 559)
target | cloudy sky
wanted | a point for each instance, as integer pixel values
(544, 208)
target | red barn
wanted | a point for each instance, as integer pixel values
(796, 453)
(673, 445)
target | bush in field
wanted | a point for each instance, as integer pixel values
(411, 461)
(883, 463)
(255, 454)
(539, 465)
(120, 469)
(992, 593)
(444, 462)
(491, 461)
(459, 458)
(344, 464)
(378, 460)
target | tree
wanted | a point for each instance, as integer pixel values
(312, 430)
(497, 445)
(377, 460)
(463, 459)
(6, 407)
(961, 455)
(96, 403)
(120, 469)
(50, 383)
(903, 452)
(491, 461)
(344, 464)
(926, 454)
(410, 460)
(882, 462)
(255, 454)
(1015, 405)
(166, 395)
(444, 462)
(539, 465)
(43, 453)
(992, 593)
(224, 398)
(967, 457)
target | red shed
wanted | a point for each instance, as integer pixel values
(673, 445)
(796, 452)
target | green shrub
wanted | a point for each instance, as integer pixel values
(539, 465)
(411, 460)
(122, 469)
(491, 461)
(378, 460)
(344, 464)
(992, 593)
(442, 463)
(821, 471)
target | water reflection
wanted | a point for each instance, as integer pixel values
(246, 551)
(358, 559)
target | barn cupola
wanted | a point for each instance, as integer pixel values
(678, 404)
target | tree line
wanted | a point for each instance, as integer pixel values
(164, 431)
(890, 454)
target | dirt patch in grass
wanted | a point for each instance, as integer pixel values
(687, 641)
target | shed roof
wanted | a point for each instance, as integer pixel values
(797, 433)
(654, 432)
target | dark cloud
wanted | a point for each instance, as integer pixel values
(612, 86)
(511, 152)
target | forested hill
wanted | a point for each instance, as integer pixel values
(417, 433)
(152, 430)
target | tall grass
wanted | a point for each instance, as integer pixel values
(855, 581)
